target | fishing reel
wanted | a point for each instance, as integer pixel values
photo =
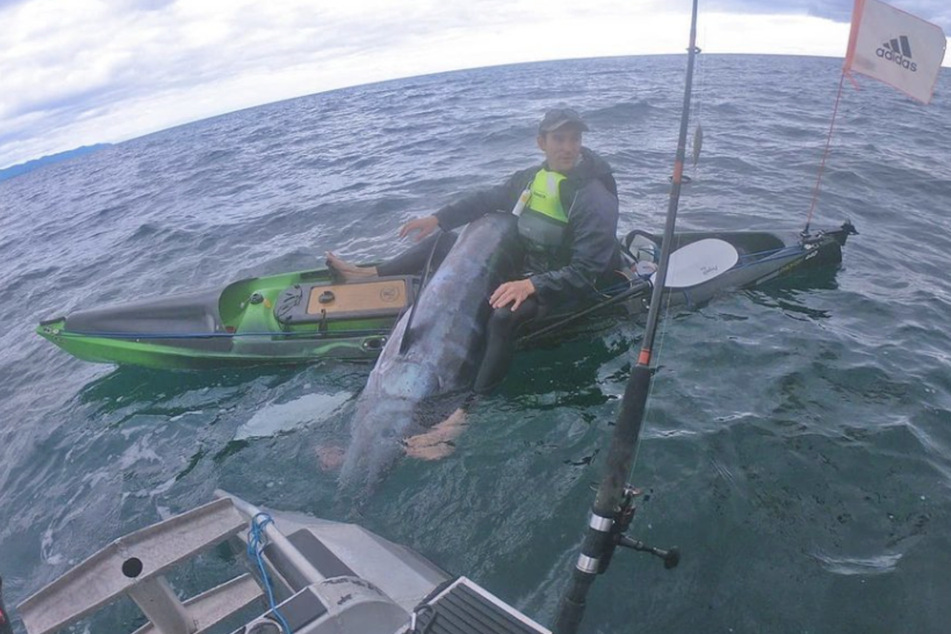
(671, 556)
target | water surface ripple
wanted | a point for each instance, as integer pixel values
(798, 447)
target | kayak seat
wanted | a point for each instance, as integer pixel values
(323, 302)
(640, 246)
(188, 313)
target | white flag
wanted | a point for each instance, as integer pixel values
(895, 47)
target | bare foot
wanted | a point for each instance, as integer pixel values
(437, 451)
(438, 442)
(329, 458)
(349, 271)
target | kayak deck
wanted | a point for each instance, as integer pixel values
(287, 318)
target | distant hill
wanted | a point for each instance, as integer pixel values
(23, 168)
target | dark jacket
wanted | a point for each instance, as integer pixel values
(590, 251)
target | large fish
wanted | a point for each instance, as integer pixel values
(408, 391)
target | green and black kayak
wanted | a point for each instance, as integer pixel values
(286, 318)
(308, 316)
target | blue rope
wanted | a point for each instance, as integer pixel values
(257, 540)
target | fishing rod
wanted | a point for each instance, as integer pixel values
(613, 507)
(636, 286)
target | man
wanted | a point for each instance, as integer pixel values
(568, 215)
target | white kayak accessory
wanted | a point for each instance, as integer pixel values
(699, 262)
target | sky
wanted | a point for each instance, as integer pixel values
(79, 72)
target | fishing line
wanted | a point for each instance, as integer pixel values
(612, 510)
(825, 154)
(649, 407)
(658, 348)
(697, 142)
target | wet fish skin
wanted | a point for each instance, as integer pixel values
(409, 392)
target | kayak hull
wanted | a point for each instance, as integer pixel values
(307, 316)
(247, 323)
(176, 354)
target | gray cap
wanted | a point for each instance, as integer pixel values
(560, 117)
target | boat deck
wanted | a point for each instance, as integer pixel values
(466, 608)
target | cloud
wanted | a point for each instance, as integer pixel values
(89, 71)
(132, 68)
(937, 11)
(838, 10)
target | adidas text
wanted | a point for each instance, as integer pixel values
(898, 59)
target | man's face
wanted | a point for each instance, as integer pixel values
(562, 148)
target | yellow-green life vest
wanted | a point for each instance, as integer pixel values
(543, 222)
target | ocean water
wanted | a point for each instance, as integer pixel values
(798, 442)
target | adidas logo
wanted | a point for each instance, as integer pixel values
(898, 50)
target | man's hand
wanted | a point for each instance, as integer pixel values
(517, 292)
(421, 226)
